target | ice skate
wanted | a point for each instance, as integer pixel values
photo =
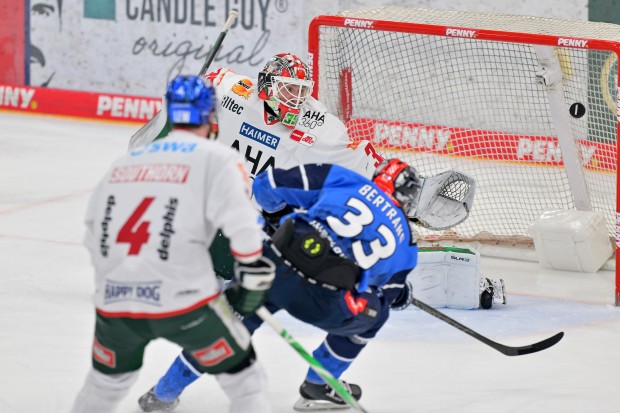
(150, 403)
(321, 397)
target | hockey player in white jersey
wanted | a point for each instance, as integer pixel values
(273, 121)
(149, 224)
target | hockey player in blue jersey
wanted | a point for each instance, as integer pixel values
(343, 250)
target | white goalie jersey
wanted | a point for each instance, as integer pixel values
(318, 136)
(152, 218)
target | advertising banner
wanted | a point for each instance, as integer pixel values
(77, 104)
(136, 46)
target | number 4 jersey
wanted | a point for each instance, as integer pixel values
(152, 218)
(356, 217)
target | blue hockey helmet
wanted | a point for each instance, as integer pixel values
(189, 101)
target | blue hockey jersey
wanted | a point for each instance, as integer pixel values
(358, 219)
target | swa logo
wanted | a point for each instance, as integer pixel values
(100, 9)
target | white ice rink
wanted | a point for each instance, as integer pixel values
(48, 166)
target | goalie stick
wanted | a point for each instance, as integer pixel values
(507, 350)
(315, 365)
(159, 123)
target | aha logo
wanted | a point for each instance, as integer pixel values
(362, 24)
(312, 119)
(581, 43)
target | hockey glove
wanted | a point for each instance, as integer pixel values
(404, 299)
(249, 289)
(273, 218)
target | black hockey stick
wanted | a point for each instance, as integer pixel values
(158, 126)
(507, 350)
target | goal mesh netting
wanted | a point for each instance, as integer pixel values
(450, 89)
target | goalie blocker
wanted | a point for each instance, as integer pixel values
(450, 277)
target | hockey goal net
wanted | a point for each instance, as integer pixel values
(528, 106)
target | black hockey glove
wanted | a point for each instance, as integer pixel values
(404, 299)
(247, 292)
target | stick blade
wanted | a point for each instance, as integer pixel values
(150, 130)
(531, 348)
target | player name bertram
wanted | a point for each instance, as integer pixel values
(168, 229)
(105, 226)
(372, 195)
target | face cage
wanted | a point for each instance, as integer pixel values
(290, 92)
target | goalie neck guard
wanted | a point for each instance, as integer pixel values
(400, 182)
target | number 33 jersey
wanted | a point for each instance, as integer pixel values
(152, 218)
(356, 217)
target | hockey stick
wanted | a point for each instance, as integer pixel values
(158, 126)
(315, 365)
(507, 350)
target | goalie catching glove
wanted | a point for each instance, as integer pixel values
(445, 200)
(247, 292)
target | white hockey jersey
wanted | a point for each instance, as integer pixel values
(151, 219)
(318, 137)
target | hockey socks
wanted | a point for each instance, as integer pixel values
(335, 354)
(180, 375)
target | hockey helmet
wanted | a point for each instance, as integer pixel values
(190, 101)
(400, 182)
(285, 84)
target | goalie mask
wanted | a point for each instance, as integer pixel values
(400, 182)
(284, 83)
(190, 101)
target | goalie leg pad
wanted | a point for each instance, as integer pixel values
(447, 277)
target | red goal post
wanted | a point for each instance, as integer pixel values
(527, 105)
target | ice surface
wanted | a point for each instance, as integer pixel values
(48, 166)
